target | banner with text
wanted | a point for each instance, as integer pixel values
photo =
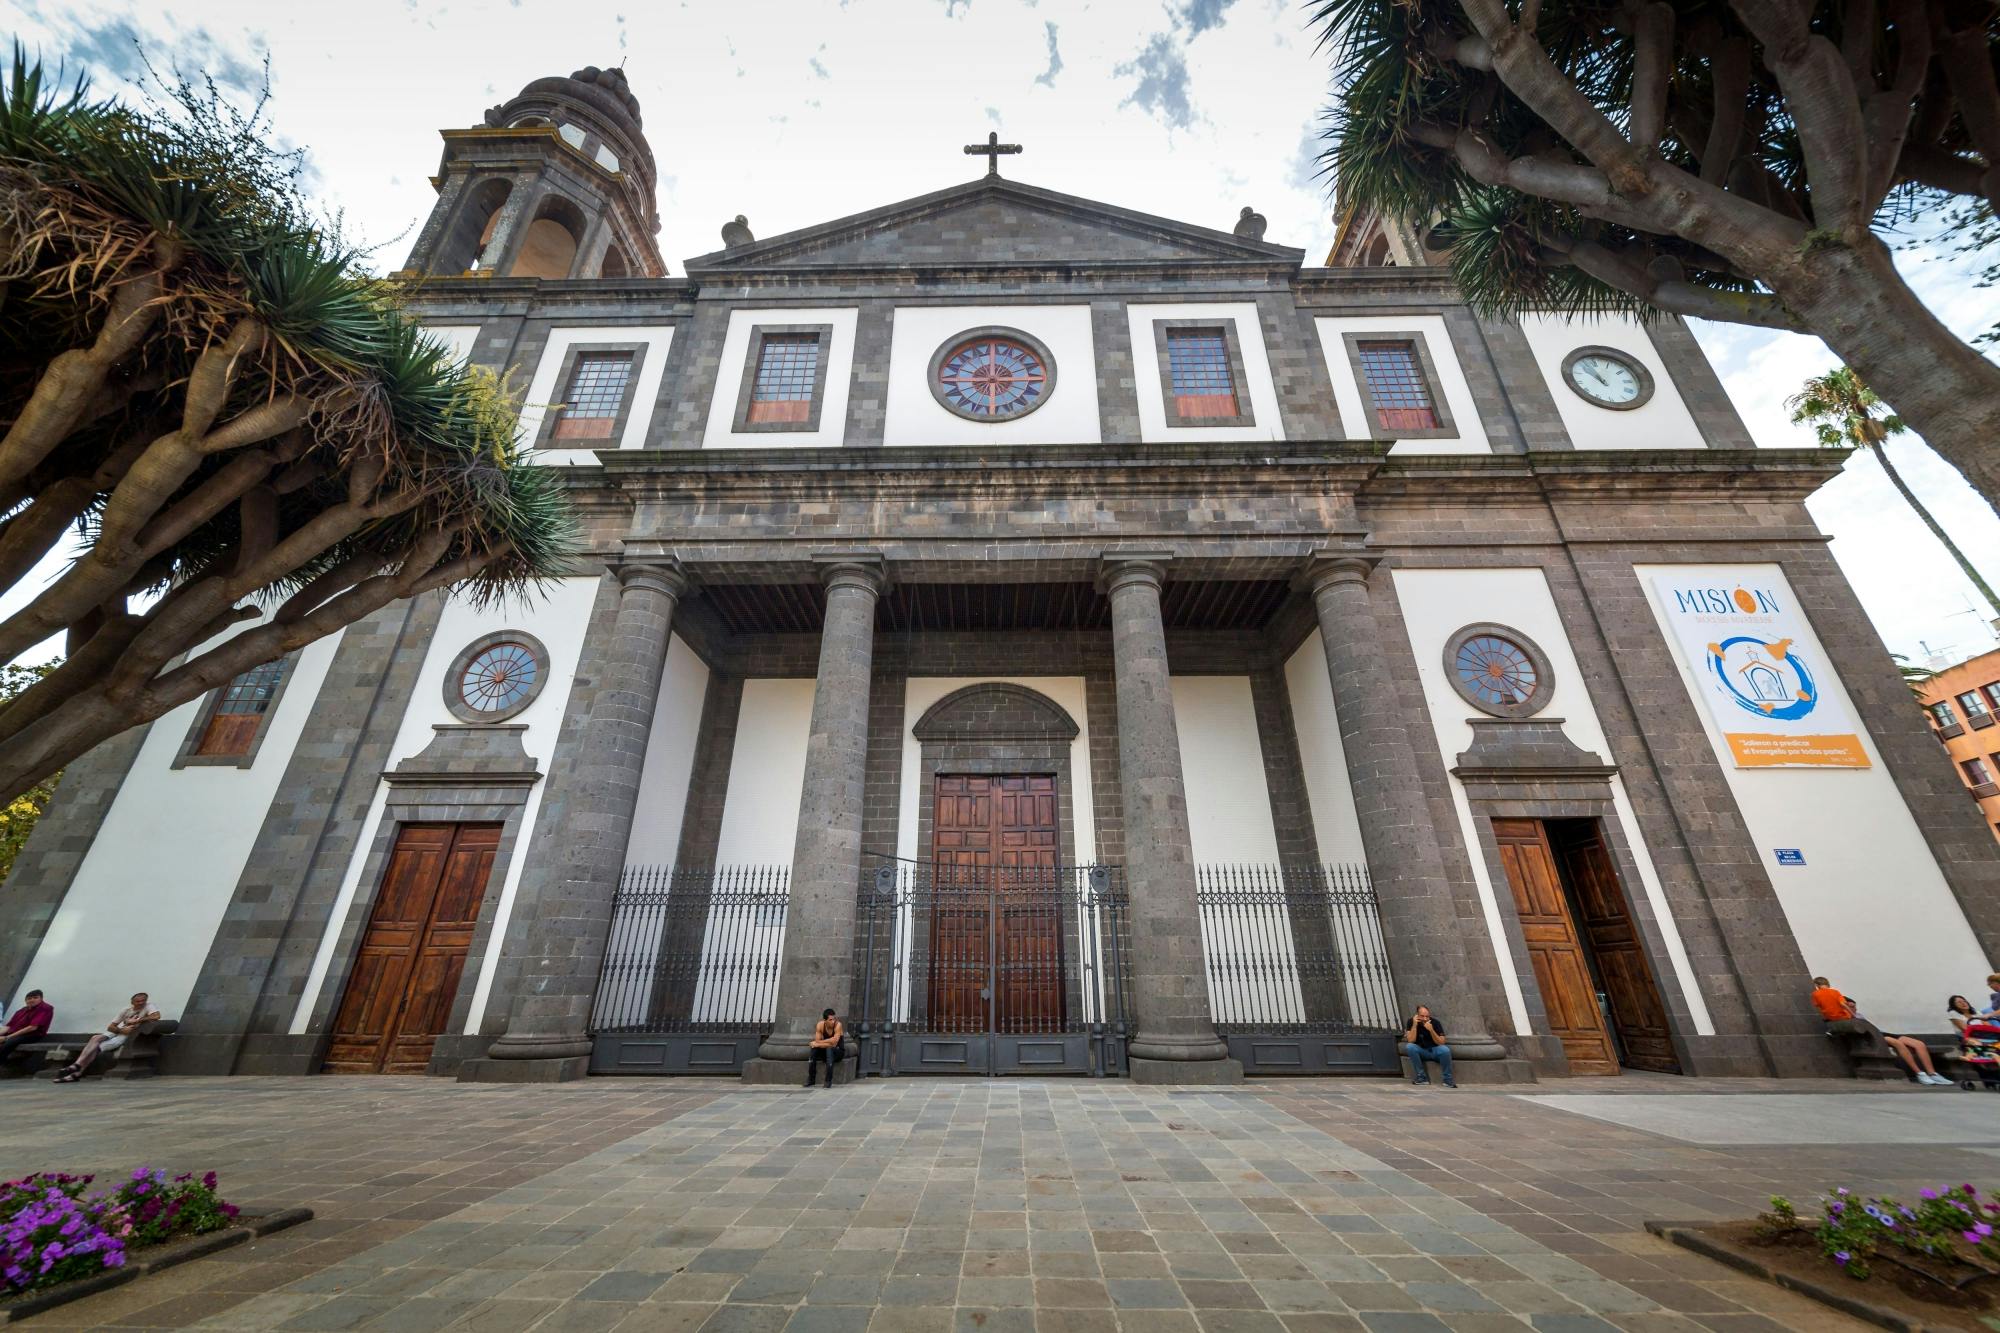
(1757, 664)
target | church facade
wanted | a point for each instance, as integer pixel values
(1063, 640)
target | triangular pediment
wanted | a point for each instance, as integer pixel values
(994, 222)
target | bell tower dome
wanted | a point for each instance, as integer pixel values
(558, 183)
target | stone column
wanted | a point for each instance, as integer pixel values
(1420, 923)
(817, 969)
(548, 1034)
(1175, 1039)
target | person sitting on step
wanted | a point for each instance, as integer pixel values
(115, 1034)
(1916, 1057)
(826, 1047)
(29, 1023)
(1424, 1040)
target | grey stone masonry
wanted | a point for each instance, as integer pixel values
(1420, 925)
(1174, 1038)
(551, 1017)
(817, 969)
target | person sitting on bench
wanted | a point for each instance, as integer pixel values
(29, 1023)
(1916, 1057)
(115, 1034)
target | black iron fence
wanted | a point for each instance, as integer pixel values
(693, 950)
(991, 969)
(1295, 949)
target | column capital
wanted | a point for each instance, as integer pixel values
(853, 569)
(1332, 566)
(1118, 568)
(652, 572)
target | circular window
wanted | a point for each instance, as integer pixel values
(992, 375)
(1498, 670)
(496, 676)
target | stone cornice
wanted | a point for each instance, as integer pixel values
(1023, 470)
(1362, 468)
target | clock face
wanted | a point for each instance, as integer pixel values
(1608, 380)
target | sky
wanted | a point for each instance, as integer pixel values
(795, 112)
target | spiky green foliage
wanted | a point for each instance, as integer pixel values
(99, 181)
(198, 374)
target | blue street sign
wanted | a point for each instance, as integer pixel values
(1790, 856)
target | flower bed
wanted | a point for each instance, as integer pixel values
(1912, 1265)
(52, 1233)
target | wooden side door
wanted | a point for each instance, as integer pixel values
(961, 933)
(1028, 954)
(1561, 970)
(407, 969)
(1636, 1006)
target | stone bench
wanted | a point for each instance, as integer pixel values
(1861, 1042)
(139, 1057)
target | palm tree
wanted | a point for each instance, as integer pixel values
(1842, 410)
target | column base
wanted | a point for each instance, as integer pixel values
(778, 1073)
(566, 1069)
(1485, 1071)
(1184, 1072)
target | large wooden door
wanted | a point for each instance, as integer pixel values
(1615, 946)
(1561, 969)
(407, 969)
(996, 922)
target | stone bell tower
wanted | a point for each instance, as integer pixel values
(558, 183)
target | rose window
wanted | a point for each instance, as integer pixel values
(1497, 671)
(992, 378)
(498, 677)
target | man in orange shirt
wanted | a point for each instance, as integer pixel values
(1837, 1008)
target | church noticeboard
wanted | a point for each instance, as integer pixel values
(1760, 670)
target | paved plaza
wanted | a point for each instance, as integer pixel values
(987, 1206)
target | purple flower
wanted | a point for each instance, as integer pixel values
(208, 1180)
(1842, 1257)
(1928, 1193)
(1982, 1229)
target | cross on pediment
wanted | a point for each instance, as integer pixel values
(992, 150)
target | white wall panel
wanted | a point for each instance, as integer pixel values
(1471, 437)
(1870, 908)
(663, 785)
(767, 774)
(1222, 766)
(729, 381)
(558, 617)
(544, 391)
(1436, 604)
(920, 692)
(1068, 416)
(1662, 422)
(151, 891)
(1336, 827)
(1258, 388)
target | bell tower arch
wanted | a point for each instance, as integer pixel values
(557, 183)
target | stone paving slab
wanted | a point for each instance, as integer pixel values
(982, 1206)
(1930, 1116)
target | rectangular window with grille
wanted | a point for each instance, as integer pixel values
(1973, 705)
(595, 396)
(240, 711)
(1976, 772)
(1397, 385)
(1198, 366)
(787, 373)
(1941, 711)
